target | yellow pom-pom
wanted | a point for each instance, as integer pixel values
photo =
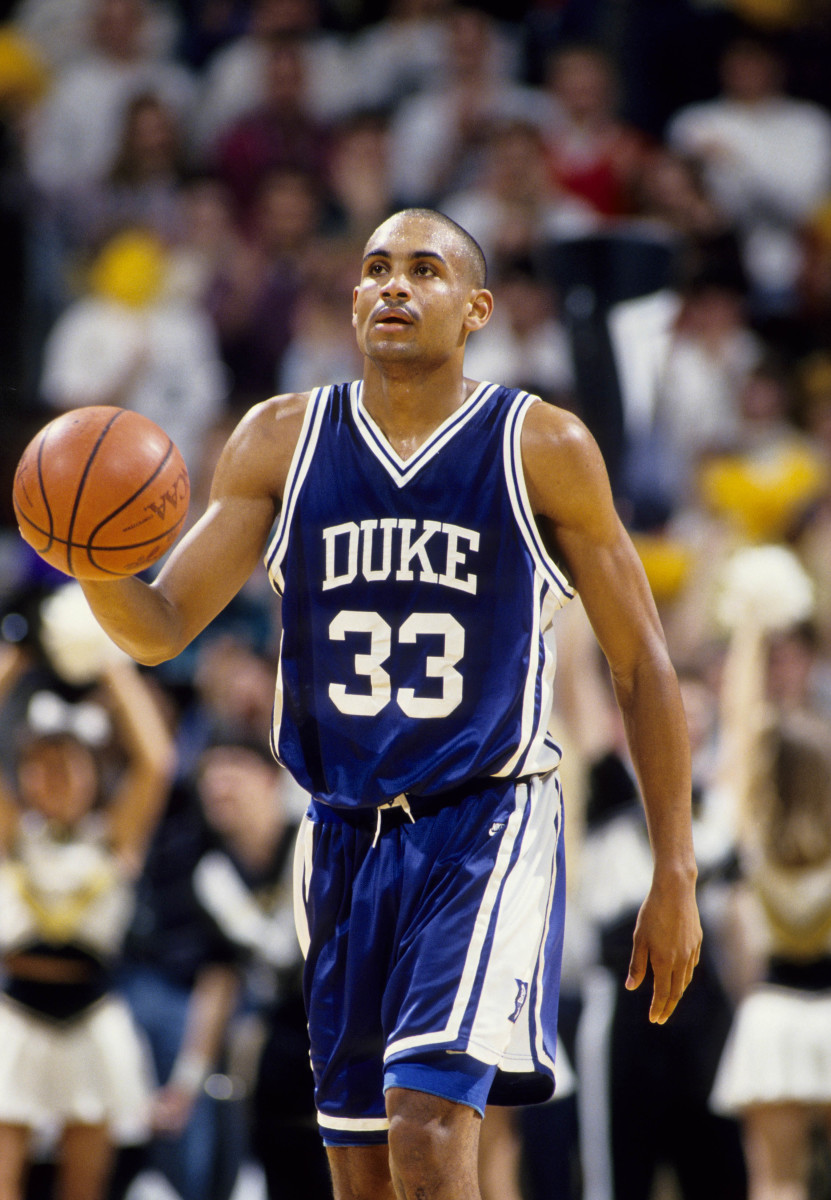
(131, 269)
(667, 563)
(762, 496)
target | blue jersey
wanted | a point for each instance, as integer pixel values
(415, 596)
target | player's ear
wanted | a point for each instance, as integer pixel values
(480, 308)
(354, 303)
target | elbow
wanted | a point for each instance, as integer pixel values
(146, 657)
(150, 653)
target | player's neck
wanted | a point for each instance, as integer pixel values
(408, 409)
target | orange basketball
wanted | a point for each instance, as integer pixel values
(101, 492)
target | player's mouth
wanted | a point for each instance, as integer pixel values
(394, 318)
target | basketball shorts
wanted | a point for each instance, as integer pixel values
(432, 933)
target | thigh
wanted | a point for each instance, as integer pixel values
(776, 1143)
(14, 1152)
(85, 1162)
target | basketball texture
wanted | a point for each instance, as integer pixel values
(101, 492)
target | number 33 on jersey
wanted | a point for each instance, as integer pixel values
(416, 594)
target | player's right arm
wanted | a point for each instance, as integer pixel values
(154, 622)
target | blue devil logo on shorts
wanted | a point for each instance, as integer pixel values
(521, 993)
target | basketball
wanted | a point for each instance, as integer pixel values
(101, 492)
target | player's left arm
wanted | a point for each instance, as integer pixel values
(569, 491)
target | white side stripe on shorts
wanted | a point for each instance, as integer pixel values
(367, 1124)
(478, 941)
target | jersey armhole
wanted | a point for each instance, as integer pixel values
(298, 469)
(556, 577)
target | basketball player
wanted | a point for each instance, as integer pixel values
(429, 528)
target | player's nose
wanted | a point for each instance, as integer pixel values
(396, 286)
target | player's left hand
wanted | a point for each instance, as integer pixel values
(667, 936)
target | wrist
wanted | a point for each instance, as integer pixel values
(190, 1071)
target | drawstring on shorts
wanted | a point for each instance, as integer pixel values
(399, 802)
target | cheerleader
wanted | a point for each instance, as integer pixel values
(775, 1074)
(72, 841)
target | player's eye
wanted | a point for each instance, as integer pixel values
(376, 268)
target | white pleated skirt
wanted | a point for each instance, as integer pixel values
(92, 1070)
(779, 1050)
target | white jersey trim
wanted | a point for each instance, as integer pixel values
(518, 492)
(529, 725)
(298, 469)
(402, 470)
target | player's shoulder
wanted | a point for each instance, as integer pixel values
(263, 442)
(563, 467)
(278, 419)
(549, 429)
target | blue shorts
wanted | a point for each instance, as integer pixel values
(433, 950)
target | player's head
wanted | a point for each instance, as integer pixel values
(471, 252)
(422, 288)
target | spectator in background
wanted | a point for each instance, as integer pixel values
(812, 535)
(765, 480)
(234, 80)
(810, 329)
(141, 189)
(126, 341)
(509, 205)
(232, 687)
(672, 201)
(439, 136)
(75, 136)
(244, 884)
(592, 152)
(773, 1074)
(633, 1122)
(254, 294)
(681, 357)
(322, 343)
(63, 29)
(767, 160)
(524, 342)
(73, 837)
(210, 237)
(403, 54)
(181, 983)
(359, 176)
(278, 133)
(711, 355)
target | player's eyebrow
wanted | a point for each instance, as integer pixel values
(416, 254)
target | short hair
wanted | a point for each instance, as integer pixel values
(472, 250)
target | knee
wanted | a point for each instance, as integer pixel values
(418, 1147)
(432, 1143)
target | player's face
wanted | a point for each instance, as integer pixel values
(416, 301)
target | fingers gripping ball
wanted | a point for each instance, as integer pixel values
(101, 492)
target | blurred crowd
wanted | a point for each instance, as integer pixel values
(185, 190)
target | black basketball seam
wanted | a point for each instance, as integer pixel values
(59, 541)
(129, 546)
(110, 549)
(126, 503)
(47, 506)
(79, 490)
